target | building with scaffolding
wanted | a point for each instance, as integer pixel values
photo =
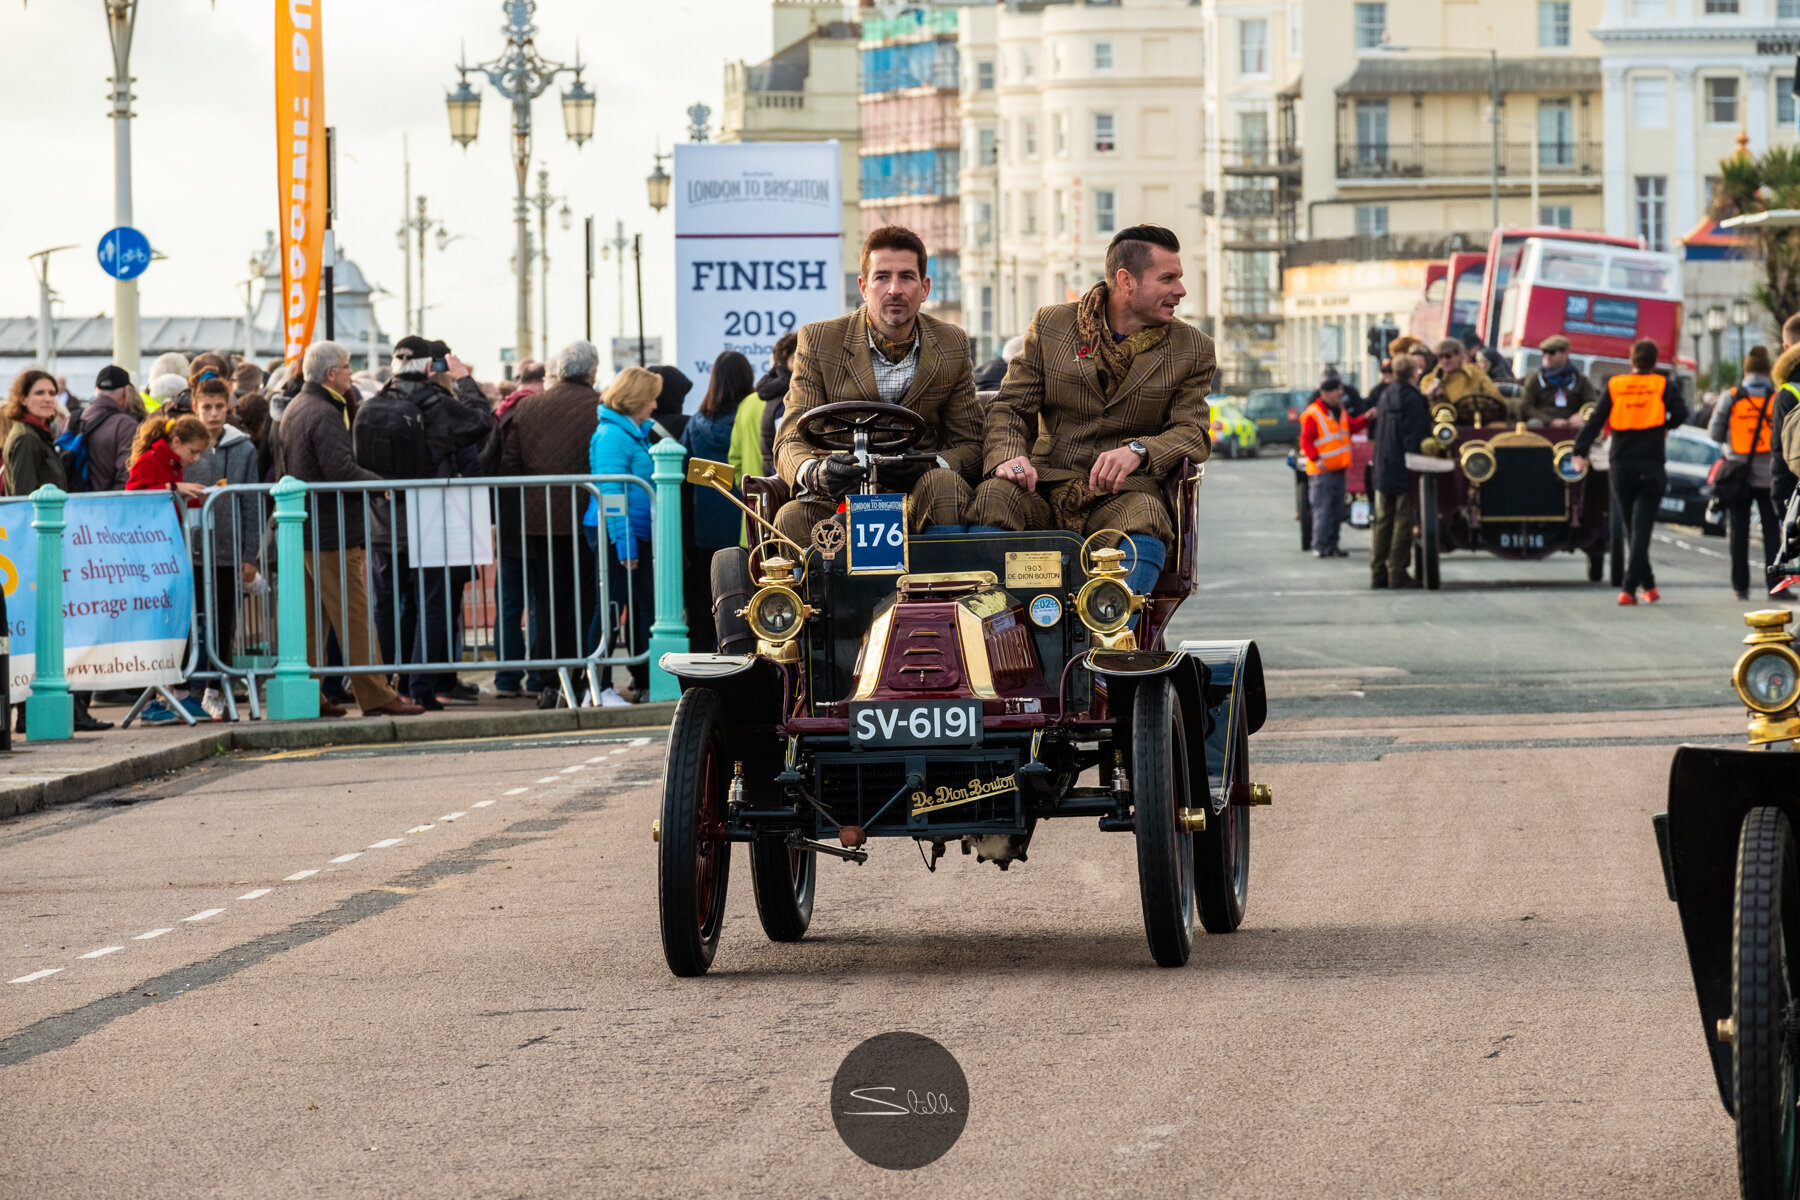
(912, 138)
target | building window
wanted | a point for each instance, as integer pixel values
(1056, 58)
(1556, 216)
(1028, 212)
(1105, 139)
(1059, 213)
(1553, 23)
(984, 75)
(1784, 97)
(1650, 102)
(1371, 132)
(1649, 9)
(988, 148)
(1103, 60)
(1253, 47)
(1788, 10)
(1253, 137)
(1059, 136)
(1652, 193)
(987, 308)
(1721, 8)
(1027, 63)
(1106, 218)
(1031, 293)
(1371, 220)
(1371, 25)
(1722, 101)
(1556, 133)
(1028, 135)
(1293, 28)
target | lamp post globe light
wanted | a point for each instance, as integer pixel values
(520, 75)
(1695, 329)
(1715, 325)
(1740, 319)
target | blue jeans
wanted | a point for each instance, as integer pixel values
(509, 638)
(1326, 490)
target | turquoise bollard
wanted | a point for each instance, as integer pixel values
(669, 633)
(50, 712)
(293, 693)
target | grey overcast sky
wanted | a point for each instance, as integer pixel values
(203, 146)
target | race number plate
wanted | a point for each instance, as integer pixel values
(885, 723)
(877, 534)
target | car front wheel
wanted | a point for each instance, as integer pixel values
(693, 855)
(1160, 787)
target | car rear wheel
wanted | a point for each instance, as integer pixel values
(1222, 851)
(782, 880)
(1303, 509)
(1765, 953)
(1159, 783)
(1425, 549)
(1596, 565)
(693, 856)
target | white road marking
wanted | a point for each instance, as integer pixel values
(548, 779)
(384, 843)
(258, 894)
(517, 791)
(420, 828)
(102, 952)
(344, 858)
(634, 743)
(452, 816)
(36, 975)
(203, 914)
(573, 769)
(599, 758)
(482, 803)
(144, 937)
(299, 875)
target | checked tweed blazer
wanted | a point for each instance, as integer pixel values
(832, 363)
(1052, 407)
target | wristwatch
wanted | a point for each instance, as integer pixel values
(1138, 448)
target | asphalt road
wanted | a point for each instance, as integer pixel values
(1459, 975)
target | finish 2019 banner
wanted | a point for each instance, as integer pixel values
(758, 249)
(128, 591)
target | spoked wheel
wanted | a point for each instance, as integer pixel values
(693, 857)
(1425, 550)
(1160, 790)
(1596, 565)
(1222, 852)
(1765, 933)
(783, 880)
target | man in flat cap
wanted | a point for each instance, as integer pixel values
(1556, 390)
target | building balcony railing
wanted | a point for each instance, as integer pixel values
(1242, 302)
(1467, 160)
(1378, 249)
(778, 99)
(1258, 157)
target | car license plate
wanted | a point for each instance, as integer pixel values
(887, 723)
(1673, 504)
(877, 534)
(1265, 420)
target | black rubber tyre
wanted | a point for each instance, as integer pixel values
(783, 881)
(732, 589)
(693, 857)
(1160, 789)
(1765, 1077)
(1596, 565)
(1222, 853)
(1425, 550)
(1303, 507)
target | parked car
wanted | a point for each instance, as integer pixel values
(1276, 412)
(1233, 434)
(1691, 455)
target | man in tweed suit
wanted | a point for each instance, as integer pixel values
(1107, 397)
(884, 351)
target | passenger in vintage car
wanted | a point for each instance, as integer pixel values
(1106, 398)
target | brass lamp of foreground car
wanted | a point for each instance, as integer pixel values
(1767, 677)
(1106, 602)
(776, 613)
(1478, 462)
(1564, 463)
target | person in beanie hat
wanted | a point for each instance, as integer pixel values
(669, 419)
(1555, 390)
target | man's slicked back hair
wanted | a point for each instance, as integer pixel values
(1131, 248)
(893, 237)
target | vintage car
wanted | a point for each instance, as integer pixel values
(950, 690)
(1728, 853)
(1509, 490)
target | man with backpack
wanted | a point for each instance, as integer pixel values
(416, 428)
(108, 424)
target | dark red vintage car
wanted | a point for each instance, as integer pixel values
(951, 690)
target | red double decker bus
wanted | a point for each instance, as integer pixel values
(1602, 296)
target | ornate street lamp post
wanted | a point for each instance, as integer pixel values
(1740, 317)
(520, 75)
(544, 201)
(1715, 325)
(1695, 329)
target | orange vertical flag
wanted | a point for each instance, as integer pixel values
(300, 164)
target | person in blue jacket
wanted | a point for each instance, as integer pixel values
(621, 446)
(717, 522)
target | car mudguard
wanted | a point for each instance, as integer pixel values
(1711, 789)
(1234, 667)
(752, 684)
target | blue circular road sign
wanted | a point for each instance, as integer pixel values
(124, 253)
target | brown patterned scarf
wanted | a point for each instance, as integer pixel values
(894, 352)
(1113, 358)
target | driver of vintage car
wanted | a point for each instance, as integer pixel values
(885, 351)
(1107, 397)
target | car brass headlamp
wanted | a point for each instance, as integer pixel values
(1106, 603)
(1767, 676)
(777, 611)
(1564, 463)
(1478, 462)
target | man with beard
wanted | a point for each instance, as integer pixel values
(1107, 397)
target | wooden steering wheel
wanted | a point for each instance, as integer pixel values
(861, 425)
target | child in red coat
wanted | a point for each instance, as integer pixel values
(163, 448)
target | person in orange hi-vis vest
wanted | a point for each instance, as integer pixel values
(1743, 422)
(1325, 430)
(1641, 407)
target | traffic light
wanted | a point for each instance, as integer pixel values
(1379, 337)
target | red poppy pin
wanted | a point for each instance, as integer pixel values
(1083, 353)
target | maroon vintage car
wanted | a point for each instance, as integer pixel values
(951, 690)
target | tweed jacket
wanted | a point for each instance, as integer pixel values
(1051, 405)
(832, 363)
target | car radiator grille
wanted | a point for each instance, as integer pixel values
(1525, 486)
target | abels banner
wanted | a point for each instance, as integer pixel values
(758, 249)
